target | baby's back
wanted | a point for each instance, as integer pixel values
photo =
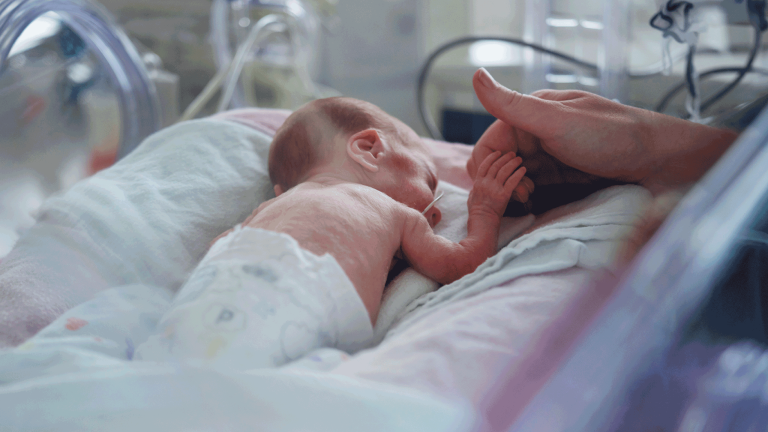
(357, 225)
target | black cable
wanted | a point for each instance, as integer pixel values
(689, 71)
(421, 87)
(424, 72)
(756, 11)
(727, 89)
(662, 105)
(434, 132)
(668, 22)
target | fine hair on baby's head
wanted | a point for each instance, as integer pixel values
(313, 133)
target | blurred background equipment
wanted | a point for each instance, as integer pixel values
(662, 56)
(73, 87)
(77, 74)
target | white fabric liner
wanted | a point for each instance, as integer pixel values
(148, 220)
(456, 341)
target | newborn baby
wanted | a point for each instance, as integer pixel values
(308, 267)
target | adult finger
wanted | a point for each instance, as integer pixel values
(514, 180)
(532, 114)
(528, 183)
(520, 194)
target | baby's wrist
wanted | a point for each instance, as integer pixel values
(484, 218)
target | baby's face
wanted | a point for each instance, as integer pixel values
(414, 172)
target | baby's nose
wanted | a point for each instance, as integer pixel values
(433, 216)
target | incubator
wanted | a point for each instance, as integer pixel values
(75, 88)
(90, 26)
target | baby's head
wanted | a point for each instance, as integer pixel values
(359, 141)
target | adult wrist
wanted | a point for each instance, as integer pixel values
(682, 152)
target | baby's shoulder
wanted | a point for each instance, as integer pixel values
(376, 200)
(358, 199)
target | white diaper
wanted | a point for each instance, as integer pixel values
(258, 300)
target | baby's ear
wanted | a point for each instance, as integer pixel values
(366, 148)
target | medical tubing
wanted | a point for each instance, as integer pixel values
(662, 105)
(690, 71)
(256, 35)
(140, 106)
(301, 61)
(755, 48)
(210, 89)
(693, 101)
(222, 57)
(300, 12)
(756, 10)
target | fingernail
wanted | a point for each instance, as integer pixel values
(486, 79)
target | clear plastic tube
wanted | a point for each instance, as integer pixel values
(258, 33)
(140, 113)
(304, 27)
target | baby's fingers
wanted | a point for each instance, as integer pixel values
(513, 181)
(501, 163)
(509, 167)
(482, 170)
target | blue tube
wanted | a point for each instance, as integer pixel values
(140, 106)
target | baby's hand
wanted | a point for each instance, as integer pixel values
(485, 147)
(496, 179)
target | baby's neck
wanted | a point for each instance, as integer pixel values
(332, 178)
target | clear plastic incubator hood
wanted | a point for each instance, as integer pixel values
(118, 58)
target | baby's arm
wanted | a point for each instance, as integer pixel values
(446, 261)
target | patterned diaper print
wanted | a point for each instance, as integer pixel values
(259, 300)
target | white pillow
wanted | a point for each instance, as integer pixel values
(148, 219)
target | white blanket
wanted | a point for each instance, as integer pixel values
(148, 219)
(410, 284)
(78, 373)
(76, 367)
(585, 234)
(460, 340)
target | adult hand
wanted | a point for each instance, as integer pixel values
(578, 137)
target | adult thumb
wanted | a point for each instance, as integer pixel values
(528, 113)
